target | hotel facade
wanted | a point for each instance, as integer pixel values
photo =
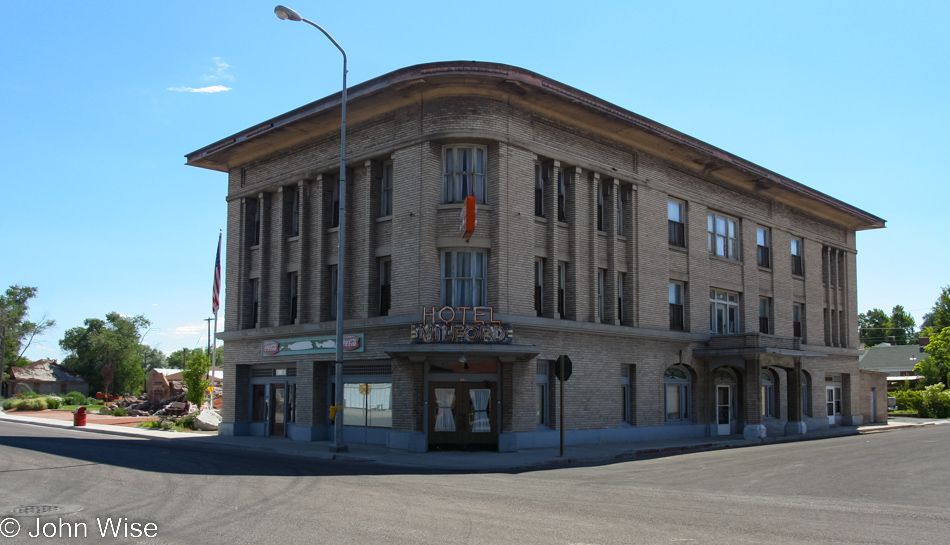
(697, 294)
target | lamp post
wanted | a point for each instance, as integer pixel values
(285, 13)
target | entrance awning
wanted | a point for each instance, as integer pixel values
(418, 353)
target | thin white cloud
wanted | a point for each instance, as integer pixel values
(219, 71)
(211, 89)
(185, 331)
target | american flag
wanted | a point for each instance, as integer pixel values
(217, 279)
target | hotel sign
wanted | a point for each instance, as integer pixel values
(311, 345)
(465, 325)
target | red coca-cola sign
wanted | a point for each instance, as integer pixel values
(351, 343)
(271, 348)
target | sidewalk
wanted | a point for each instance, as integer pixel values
(574, 455)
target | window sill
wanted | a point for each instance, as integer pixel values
(562, 224)
(726, 259)
(293, 238)
(333, 230)
(765, 269)
(801, 277)
(384, 219)
(540, 219)
(602, 234)
(681, 249)
(460, 205)
(622, 238)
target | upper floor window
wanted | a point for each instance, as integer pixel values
(797, 267)
(332, 292)
(763, 241)
(798, 310)
(561, 197)
(677, 222)
(253, 215)
(291, 197)
(621, 278)
(723, 236)
(463, 174)
(765, 311)
(621, 201)
(677, 321)
(335, 203)
(723, 312)
(602, 199)
(539, 286)
(601, 280)
(254, 321)
(561, 291)
(538, 191)
(463, 278)
(294, 290)
(385, 285)
(386, 191)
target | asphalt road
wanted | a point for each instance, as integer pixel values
(879, 488)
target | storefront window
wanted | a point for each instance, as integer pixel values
(368, 404)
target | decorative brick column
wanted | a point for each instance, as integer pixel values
(754, 429)
(796, 423)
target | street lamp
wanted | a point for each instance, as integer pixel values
(285, 14)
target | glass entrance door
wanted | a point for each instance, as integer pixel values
(724, 409)
(277, 419)
(833, 404)
(462, 417)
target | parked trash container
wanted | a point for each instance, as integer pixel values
(79, 417)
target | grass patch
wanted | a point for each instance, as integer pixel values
(167, 424)
(89, 408)
(904, 412)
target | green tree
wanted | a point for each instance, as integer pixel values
(104, 349)
(178, 359)
(903, 327)
(939, 317)
(874, 327)
(16, 330)
(935, 369)
(151, 357)
(195, 377)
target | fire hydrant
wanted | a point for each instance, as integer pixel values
(79, 417)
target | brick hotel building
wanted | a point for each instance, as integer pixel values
(697, 294)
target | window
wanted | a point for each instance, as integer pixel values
(463, 174)
(625, 373)
(539, 286)
(677, 223)
(676, 307)
(255, 302)
(797, 268)
(541, 399)
(723, 236)
(798, 311)
(291, 198)
(602, 198)
(621, 277)
(539, 191)
(331, 304)
(386, 191)
(561, 282)
(561, 196)
(258, 403)
(385, 285)
(252, 210)
(765, 310)
(294, 288)
(676, 401)
(368, 404)
(335, 200)
(621, 202)
(763, 238)
(601, 276)
(723, 312)
(768, 393)
(463, 278)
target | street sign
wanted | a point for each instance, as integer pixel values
(568, 367)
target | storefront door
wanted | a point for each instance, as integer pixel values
(462, 416)
(724, 409)
(833, 404)
(277, 405)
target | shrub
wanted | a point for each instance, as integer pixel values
(119, 411)
(9, 404)
(75, 398)
(28, 394)
(31, 404)
(936, 402)
(188, 421)
(53, 402)
(105, 410)
(908, 399)
(168, 424)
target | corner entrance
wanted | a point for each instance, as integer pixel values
(461, 416)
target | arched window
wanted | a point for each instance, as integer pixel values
(676, 394)
(724, 375)
(768, 393)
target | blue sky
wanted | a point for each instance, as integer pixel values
(99, 102)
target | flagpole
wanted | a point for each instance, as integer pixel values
(214, 307)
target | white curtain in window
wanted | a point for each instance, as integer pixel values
(445, 398)
(480, 400)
